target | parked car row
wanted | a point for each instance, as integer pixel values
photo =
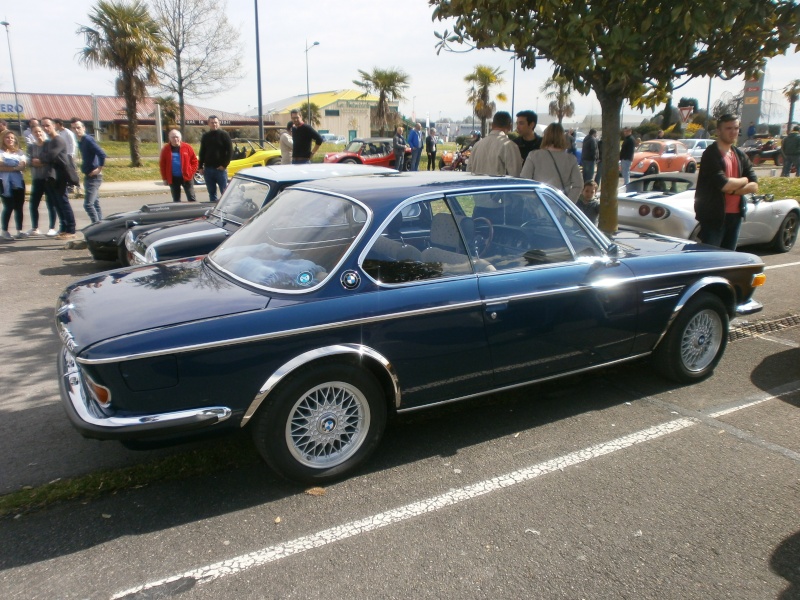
(342, 301)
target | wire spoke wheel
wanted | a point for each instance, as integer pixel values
(327, 425)
(701, 340)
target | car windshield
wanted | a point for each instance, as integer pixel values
(649, 147)
(353, 147)
(242, 199)
(294, 243)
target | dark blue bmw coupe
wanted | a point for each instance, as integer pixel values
(347, 300)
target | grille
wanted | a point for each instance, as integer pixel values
(748, 330)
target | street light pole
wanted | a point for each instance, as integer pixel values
(258, 80)
(13, 79)
(308, 89)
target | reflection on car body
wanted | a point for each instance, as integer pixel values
(347, 300)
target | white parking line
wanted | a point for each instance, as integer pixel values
(793, 264)
(232, 566)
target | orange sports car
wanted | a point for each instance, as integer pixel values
(662, 156)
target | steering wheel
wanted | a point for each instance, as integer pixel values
(484, 232)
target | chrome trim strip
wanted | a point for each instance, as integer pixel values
(90, 414)
(661, 294)
(688, 294)
(523, 384)
(282, 334)
(298, 361)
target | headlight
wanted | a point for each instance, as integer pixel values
(151, 255)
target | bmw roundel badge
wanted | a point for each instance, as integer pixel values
(350, 280)
(304, 278)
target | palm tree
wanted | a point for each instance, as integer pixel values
(388, 84)
(169, 111)
(557, 89)
(314, 119)
(125, 38)
(792, 93)
(481, 81)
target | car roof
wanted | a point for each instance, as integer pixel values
(308, 172)
(372, 139)
(386, 190)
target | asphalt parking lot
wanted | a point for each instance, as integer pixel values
(611, 485)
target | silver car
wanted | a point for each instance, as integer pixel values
(659, 210)
(697, 147)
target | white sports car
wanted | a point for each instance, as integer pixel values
(768, 221)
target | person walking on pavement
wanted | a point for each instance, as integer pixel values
(216, 150)
(178, 164)
(55, 158)
(286, 144)
(430, 149)
(528, 140)
(302, 136)
(38, 175)
(416, 141)
(93, 159)
(12, 166)
(496, 154)
(589, 155)
(626, 154)
(790, 148)
(552, 164)
(399, 146)
(725, 175)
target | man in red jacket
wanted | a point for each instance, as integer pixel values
(178, 164)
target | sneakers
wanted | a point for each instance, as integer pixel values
(6, 237)
(51, 233)
(65, 236)
(34, 231)
(21, 235)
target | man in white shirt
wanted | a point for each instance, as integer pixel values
(497, 154)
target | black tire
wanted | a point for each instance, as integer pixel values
(778, 159)
(273, 161)
(304, 441)
(691, 167)
(695, 341)
(441, 164)
(652, 169)
(122, 254)
(787, 233)
(349, 161)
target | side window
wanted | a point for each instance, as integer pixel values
(419, 243)
(511, 229)
(582, 243)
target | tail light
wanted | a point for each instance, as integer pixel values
(644, 210)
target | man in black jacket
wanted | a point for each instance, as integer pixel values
(54, 158)
(589, 155)
(726, 174)
(626, 154)
(215, 154)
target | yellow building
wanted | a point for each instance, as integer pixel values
(346, 113)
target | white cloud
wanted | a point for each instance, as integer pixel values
(358, 34)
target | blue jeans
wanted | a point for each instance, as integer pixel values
(37, 191)
(788, 161)
(215, 177)
(56, 191)
(416, 153)
(588, 170)
(625, 166)
(725, 235)
(91, 197)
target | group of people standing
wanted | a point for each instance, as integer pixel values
(51, 155)
(296, 140)
(417, 141)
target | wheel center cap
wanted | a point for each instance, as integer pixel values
(701, 340)
(327, 424)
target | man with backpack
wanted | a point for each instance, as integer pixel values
(790, 148)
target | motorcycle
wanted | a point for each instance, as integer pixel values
(454, 161)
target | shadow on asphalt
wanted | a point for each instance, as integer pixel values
(72, 527)
(784, 563)
(777, 370)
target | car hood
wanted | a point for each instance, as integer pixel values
(193, 228)
(641, 155)
(126, 301)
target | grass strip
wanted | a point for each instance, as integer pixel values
(228, 453)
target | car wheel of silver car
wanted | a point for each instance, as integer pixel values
(199, 178)
(696, 340)
(321, 423)
(787, 233)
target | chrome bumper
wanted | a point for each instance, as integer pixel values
(748, 308)
(87, 417)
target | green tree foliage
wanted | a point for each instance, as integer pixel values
(627, 50)
(558, 89)
(792, 93)
(124, 37)
(387, 84)
(311, 114)
(482, 79)
(169, 111)
(204, 49)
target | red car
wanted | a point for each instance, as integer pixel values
(662, 156)
(376, 152)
